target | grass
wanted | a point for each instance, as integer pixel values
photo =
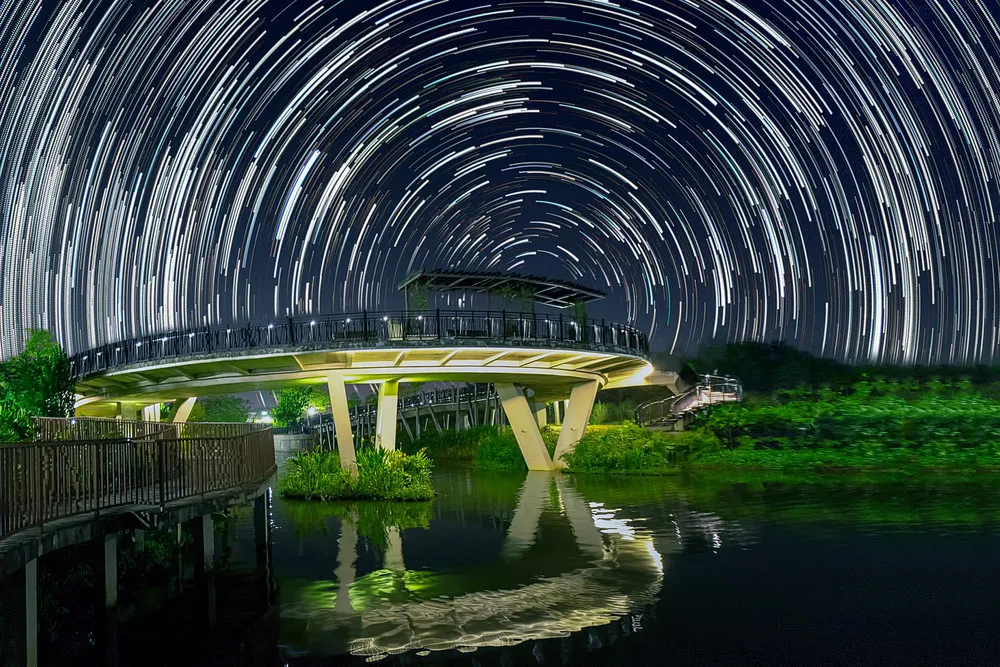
(382, 475)
(449, 445)
(630, 449)
(498, 449)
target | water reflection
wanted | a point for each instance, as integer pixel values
(563, 564)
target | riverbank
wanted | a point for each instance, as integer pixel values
(867, 426)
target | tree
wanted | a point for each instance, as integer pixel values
(291, 407)
(319, 398)
(219, 409)
(35, 383)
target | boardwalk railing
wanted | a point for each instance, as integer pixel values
(49, 429)
(45, 481)
(422, 328)
(710, 390)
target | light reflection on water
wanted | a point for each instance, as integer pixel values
(569, 564)
(554, 564)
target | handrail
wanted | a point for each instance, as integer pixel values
(41, 482)
(46, 429)
(407, 328)
(710, 390)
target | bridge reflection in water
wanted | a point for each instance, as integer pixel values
(564, 565)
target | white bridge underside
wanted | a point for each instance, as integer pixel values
(525, 377)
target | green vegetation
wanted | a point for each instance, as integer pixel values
(498, 449)
(447, 445)
(294, 401)
(878, 424)
(381, 475)
(211, 409)
(632, 449)
(34, 383)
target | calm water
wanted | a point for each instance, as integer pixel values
(515, 570)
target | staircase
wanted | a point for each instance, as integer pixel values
(670, 413)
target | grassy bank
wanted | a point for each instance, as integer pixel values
(880, 425)
(382, 475)
(486, 447)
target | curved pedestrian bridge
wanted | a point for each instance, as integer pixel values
(531, 359)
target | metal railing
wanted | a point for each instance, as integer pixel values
(710, 390)
(408, 329)
(47, 429)
(41, 482)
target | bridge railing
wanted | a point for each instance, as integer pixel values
(41, 482)
(48, 429)
(363, 329)
(710, 390)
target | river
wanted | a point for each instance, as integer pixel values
(548, 569)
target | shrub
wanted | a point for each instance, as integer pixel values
(632, 449)
(382, 475)
(449, 445)
(498, 450)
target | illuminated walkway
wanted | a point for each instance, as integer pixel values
(532, 360)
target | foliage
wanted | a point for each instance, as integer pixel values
(498, 448)
(635, 450)
(34, 383)
(291, 407)
(381, 475)
(219, 409)
(447, 445)
(929, 424)
(613, 412)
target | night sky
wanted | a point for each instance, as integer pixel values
(822, 172)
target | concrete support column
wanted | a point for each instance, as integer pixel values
(581, 403)
(388, 406)
(522, 421)
(204, 535)
(342, 421)
(106, 568)
(557, 412)
(128, 411)
(182, 409)
(542, 414)
(31, 613)
(151, 413)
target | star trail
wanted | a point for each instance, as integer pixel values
(822, 172)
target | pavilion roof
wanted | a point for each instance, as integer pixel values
(544, 291)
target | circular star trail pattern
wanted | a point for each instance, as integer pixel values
(823, 172)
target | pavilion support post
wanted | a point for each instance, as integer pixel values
(182, 409)
(388, 406)
(522, 421)
(31, 612)
(581, 403)
(557, 413)
(342, 421)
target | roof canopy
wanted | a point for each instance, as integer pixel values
(557, 293)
